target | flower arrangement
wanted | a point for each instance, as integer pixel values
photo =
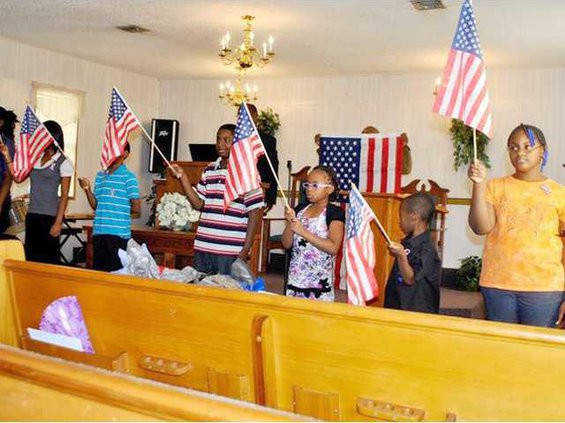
(268, 121)
(175, 212)
(462, 136)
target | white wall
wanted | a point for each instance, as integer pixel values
(391, 102)
(21, 64)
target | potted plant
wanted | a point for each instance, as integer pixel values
(462, 136)
(268, 121)
(468, 275)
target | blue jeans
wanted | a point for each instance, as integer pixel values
(213, 263)
(528, 308)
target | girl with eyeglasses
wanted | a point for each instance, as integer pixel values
(314, 231)
(523, 217)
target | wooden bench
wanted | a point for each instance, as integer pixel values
(35, 387)
(329, 361)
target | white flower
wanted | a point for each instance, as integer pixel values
(175, 212)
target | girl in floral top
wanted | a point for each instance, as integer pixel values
(314, 231)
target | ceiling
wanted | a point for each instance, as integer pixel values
(312, 37)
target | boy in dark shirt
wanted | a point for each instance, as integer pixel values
(413, 283)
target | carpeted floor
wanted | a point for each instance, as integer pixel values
(452, 302)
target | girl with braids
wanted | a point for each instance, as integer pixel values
(314, 230)
(522, 215)
(8, 121)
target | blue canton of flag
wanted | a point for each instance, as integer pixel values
(118, 107)
(30, 123)
(354, 217)
(466, 37)
(343, 155)
(244, 127)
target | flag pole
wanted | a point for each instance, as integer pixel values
(268, 159)
(151, 141)
(475, 145)
(379, 225)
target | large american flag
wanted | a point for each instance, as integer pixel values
(464, 93)
(34, 139)
(121, 121)
(373, 162)
(246, 149)
(359, 251)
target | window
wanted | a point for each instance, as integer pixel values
(65, 107)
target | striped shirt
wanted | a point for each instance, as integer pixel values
(219, 232)
(113, 192)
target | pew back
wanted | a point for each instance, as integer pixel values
(330, 361)
(34, 387)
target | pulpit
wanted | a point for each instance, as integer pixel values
(386, 208)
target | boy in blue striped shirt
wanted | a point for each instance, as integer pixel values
(115, 201)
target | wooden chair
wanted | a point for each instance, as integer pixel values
(440, 196)
(274, 242)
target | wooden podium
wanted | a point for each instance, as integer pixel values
(387, 208)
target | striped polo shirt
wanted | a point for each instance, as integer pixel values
(113, 192)
(219, 232)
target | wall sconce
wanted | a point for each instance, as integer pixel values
(437, 84)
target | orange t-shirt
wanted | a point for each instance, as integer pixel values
(523, 252)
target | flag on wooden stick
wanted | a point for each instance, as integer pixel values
(246, 149)
(34, 139)
(121, 121)
(360, 250)
(464, 92)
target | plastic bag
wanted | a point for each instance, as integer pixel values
(137, 260)
(186, 275)
(220, 281)
(241, 272)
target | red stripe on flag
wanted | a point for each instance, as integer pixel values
(399, 161)
(384, 164)
(370, 164)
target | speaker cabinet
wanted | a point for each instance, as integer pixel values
(165, 133)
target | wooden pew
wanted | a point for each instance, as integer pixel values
(35, 387)
(329, 361)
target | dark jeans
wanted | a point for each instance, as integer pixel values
(528, 308)
(39, 245)
(105, 249)
(213, 263)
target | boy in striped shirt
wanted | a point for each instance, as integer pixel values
(221, 237)
(115, 201)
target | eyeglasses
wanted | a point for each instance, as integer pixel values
(515, 149)
(314, 185)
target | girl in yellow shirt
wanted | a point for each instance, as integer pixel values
(522, 215)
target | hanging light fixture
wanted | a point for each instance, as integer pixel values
(235, 94)
(246, 55)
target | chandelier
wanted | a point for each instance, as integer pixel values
(234, 95)
(246, 55)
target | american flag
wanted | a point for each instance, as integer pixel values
(246, 149)
(359, 251)
(121, 121)
(464, 93)
(34, 139)
(373, 162)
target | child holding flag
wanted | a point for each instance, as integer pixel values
(522, 214)
(314, 231)
(116, 200)
(224, 233)
(413, 283)
(46, 209)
